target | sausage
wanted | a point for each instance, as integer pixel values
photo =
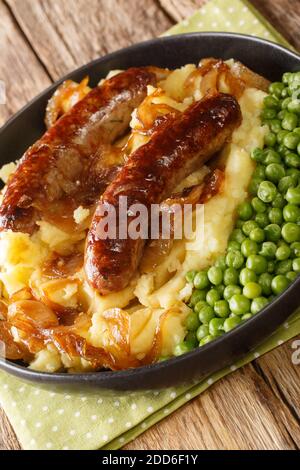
(56, 165)
(177, 147)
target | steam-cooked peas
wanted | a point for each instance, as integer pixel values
(237, 235)
(233, 246)
(221, 308)
(258, 205)
(254, 184)
(258, 304)
(276, 89)
(291, 213)
(268, 250)
(231, 290)
(257, 154)
(275, 125)
(268, 113)
(265, 280)
(296, 265)
(279, 284)
(295, 247)
(190, 276)
(281, 135)
(291, 140)
(271, 102)
(291, 275)
(206, 314)
(221, 262)
(267, 191)
(191, 339)
(275, 215)
(245, 211)
(215, 275)
(286, 183)
(257, 263)
(262, 220)
(199, 305)
(202, 332)
(283, 267)
(231, 276)
(215, 326)
(290, 232)
(259, 172)
(270, 139)
(290, 121)
(212, 296)
(285, 102)
(252, 290)
(207, 339)
(249, 226)
(201, 280)
(274, 172)
(231, 323)
(271, 156)
(235, 259)
(247, 275)
(220, 288)
(283, 252)
(279, 201)
(197, 296)
(293, 195)
(257, 235)
(271, 267)
(294, 106)
(182, 348)
(192, 321)
(239, 304)
(273, 232)
(292, 160)
(249, 247)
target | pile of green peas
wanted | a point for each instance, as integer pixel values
(263, 252)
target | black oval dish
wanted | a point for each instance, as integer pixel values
(22, 130)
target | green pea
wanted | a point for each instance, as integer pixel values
(234, 259)
(221, 262)
(239, 304)
(268, 113)
(283, 267)
(257, 263)
(279, 284)
(291, 213)
(206, 314)
(279, 201)
(233, 246)
(281, 135)
(275, 215)
(212, 296)
(289, 122)
(296, 265)
(271, 267)
(284, 93)
(293, 195)
(259, 171)
(275, 125)
(258, 205)
(239, 223)
(252, 290)
(294, 106)
(231, 290)
(271, 101)
(285, 103)
(290, 232)
(286, 77)
(291, 275)
(268, 250)
(270, 156)
(273, 232)
(286, 183)
(231, 323)
(190, 276)
(192, 321)
(215, 275)
(207, 339)
(237, 235)
(196, 296)
(270, 139)
(220, 288)
(265, 281)
(258, 304)
(230, 276)
(182, 348)
(202, 332)
(283, 252)
(199, 305)
(249, 247)
(247, 316)
(215, 326)
(201, 280)
(291, 140)
(276, 89)
(245, 211)
(292, 160)
(254, 184)
(221, 308)
(262, 220)
(267, 191)
(295, 247)
(247, 275)
(248, 227)
(274, 172)
(257, 234)
(257, 154)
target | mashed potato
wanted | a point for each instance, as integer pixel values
(151, 295)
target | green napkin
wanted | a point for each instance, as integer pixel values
(47, 420)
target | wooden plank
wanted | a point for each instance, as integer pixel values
(68, 34)
(8, 439)
(20, 70)
(239, 412)
(284, 15)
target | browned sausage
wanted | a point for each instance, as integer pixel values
(55, 166)
(175, 149)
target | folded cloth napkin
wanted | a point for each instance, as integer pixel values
(47, 420)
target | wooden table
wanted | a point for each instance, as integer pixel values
(257, 407)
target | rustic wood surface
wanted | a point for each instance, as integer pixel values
(257, 407)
